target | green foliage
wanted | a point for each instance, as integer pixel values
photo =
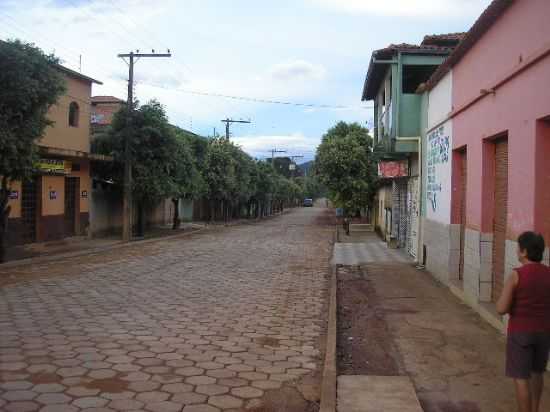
(162, 163)
(346, 165)
(312, 187)
(29, 84)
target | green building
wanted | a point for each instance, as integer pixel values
(393, 80)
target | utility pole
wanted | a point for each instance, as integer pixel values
(127, 199)
(228, 121)
(293, 164)
(273, 151)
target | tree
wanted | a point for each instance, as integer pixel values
(220, 174)
(29, 84)
(346, 165)
(159, 160)
(188, 180)
(311, 186)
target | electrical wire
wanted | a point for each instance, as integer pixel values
(69, 54)
(260, 100)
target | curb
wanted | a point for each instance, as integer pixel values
(328, 385)
(119, 245)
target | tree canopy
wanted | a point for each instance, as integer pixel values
(29, 84)
(346, 165)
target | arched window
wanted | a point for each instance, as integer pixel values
(74, 113)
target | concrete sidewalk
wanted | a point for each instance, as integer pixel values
(454, 358)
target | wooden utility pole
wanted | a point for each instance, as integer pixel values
(294, 164)
(228, 121)
(273, 151)
(127, 206)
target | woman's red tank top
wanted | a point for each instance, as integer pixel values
(531, 305)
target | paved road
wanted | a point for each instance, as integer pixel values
(201, 324)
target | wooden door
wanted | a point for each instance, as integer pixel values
(500, 213)
(29, 209)
(463, 193)
(72, 188)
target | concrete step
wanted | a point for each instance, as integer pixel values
(361, 227)
(358, 393)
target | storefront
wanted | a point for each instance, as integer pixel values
(53, 204)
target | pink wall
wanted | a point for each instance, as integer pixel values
(514, 109)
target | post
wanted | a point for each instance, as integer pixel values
(127, 202)
(127, 205)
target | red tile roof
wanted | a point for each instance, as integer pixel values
(376, 72)
(443, 39)
(106, 99)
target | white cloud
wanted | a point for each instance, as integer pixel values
(406, 8)
(297, 70)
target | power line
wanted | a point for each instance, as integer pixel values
(260, 100)
(70, 55)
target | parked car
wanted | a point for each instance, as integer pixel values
(308, 202)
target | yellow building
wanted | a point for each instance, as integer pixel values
(55, 203)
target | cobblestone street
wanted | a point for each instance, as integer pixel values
(226, 319)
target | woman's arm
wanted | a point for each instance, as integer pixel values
(504, 303)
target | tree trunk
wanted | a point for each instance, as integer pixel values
(4, 214)
(177, 222)
(140, 220)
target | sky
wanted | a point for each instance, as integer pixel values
(313, 52)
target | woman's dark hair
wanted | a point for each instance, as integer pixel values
(533, 244)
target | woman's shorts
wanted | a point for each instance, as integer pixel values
(526, 353)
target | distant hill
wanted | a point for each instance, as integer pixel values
(306, 167)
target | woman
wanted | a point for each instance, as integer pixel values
(526, 298)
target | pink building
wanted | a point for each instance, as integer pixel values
(501, 140)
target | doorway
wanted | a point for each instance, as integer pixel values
(29, 209)
(72, 188)
(462, 206)
(500, 215)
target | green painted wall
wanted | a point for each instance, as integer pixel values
(409, 115)
(419, 60)
(424, 154)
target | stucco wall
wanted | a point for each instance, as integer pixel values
(438, 172)
(513, 109)
(61, 135)
(442, 242)
(53, 195)
(84, 175)
(440, 101)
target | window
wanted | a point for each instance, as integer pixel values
(74, 113)
(414, 76)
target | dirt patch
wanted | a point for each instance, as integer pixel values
(267, 341)
(44, 377)
(111, 385)
(364, 343)
(327, 218)
(286, 399)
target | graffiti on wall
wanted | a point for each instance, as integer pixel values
(438, 153)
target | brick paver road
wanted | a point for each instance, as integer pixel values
(199, 324)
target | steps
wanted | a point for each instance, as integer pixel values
(361, 227)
